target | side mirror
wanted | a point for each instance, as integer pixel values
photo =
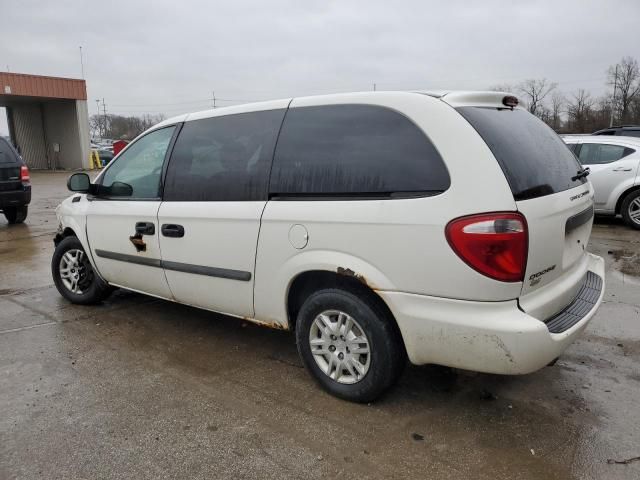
(120, 189)
(79, 182)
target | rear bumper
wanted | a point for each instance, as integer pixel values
(491, 337)
(15, 198)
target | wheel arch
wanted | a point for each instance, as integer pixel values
(310, 281)
(624, 194)
(67, 232)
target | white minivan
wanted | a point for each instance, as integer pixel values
(445, 228)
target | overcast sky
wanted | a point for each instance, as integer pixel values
(168, 56)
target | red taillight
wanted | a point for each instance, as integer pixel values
(24, 174)
(494, 244)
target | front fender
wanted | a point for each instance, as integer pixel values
(73, 215)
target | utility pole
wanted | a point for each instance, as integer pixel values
(81, 62)
(104, 115)
(613, 102)
(213, 99)
(98, 117)
(374, 87)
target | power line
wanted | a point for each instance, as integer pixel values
(159, 104)
(186, 102)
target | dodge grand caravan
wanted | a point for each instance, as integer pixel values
(443, 228)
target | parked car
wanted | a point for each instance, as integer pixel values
(447, 228)
(15, 184)
(622, 130)
(615, 175)
(105, 156)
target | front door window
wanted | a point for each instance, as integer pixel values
(139, 167)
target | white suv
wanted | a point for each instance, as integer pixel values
(446, 228)
(615, 173)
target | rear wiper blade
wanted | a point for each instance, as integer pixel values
(581, 174)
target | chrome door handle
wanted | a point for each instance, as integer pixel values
(621, 169)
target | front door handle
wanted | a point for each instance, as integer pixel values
(172, 230)
(145, 228)
(621, 169)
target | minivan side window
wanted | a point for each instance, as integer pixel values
(140, 165)
(599, 153)
(354, 151)
(224, 158)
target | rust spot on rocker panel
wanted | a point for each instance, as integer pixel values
(269, 324)
(138, 242)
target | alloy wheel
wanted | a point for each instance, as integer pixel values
(340, 347)
(634, 211)
(75, 271)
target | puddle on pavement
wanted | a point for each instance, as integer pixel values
(626, 261)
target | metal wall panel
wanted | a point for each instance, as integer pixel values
(20, 84)
(29, 134)
(62, 129)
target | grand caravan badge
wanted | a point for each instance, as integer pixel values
(580, 195)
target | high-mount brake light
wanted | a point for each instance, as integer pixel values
(510, 101)
(494, 244)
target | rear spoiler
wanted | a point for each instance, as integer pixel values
(477, 99)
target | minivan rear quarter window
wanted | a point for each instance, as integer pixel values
(356, 151)
(534, 159)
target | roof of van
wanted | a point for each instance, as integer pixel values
(454, 98)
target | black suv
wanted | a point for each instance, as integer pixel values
(15, 186)
(623, 131)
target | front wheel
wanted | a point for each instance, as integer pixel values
(349, 345)
(73, 274)
(630, 209)
(16, 214)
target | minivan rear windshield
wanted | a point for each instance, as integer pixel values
(534, 159)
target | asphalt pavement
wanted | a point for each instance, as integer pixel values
(141, 388)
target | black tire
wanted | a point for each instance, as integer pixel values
(387, 354)
(92, 288)
(631, 203)
(16, 214)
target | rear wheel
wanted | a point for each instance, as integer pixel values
(630, 209)
(73, 274)
(16, 214)
(349, 345)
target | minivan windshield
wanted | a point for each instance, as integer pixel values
(534, 159)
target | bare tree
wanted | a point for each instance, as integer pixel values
(534, 92)
(626, 78)
(502, 87)
(120, 127)
(95, 125)
(558, 103)
(579, 110)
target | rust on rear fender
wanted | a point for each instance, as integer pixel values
(347, 272)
